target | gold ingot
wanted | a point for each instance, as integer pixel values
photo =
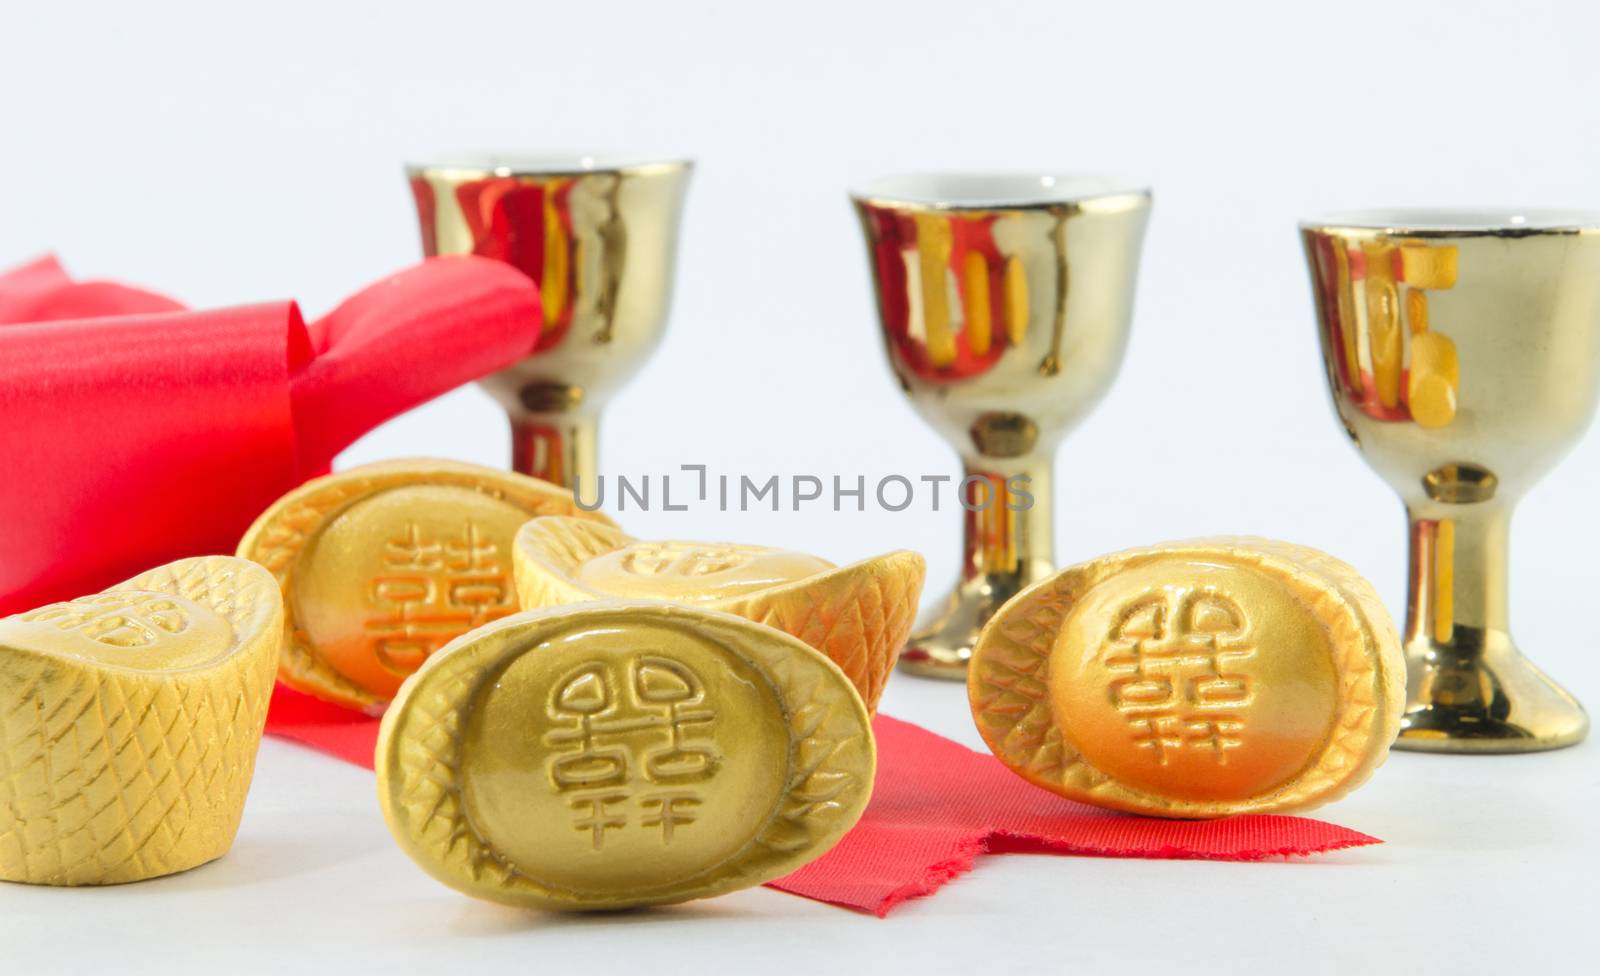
(623, 754)
(129, 723)
(1194, 679)
(858, 616)
(382, 565)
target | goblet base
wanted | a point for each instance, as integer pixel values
(1480, 695)
(942, 642)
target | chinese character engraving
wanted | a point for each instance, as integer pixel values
(1175, 658)
(670, 810)
(596, 815)
(117, 619)
(433, 590)
(680, 559)
(631, 738)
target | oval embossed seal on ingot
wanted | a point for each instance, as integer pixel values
(622, 754)
(129, 723)
(1194, 679)
(858, 615)
(384, 564)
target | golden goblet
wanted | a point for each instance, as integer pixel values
(1463, 353)
(599, 237)
(1005, 301)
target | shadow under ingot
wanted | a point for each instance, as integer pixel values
(1005, 302)
(1463, 352)
(599, 236)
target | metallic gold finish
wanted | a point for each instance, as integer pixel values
(858, 616)
(129, 723)
(1491, 380)
(622, 754)
(382, 565)
(1193, 679)
(1005, 302)
(599, 237)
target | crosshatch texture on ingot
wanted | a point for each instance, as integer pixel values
(650, 779)
(858, 615)
(1016, 695)
(427, 584)
(127, 740)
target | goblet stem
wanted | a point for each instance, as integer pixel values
(1457, 585)
(1007, 545)
(561, 448)
(1008, 526)
(1468, 688)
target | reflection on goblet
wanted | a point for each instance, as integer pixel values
(1463, 352)
(1005, 301)
(599, 237)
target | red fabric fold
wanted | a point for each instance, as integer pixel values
(42, 291)
(404, 341)
(134, 439)
(935, 807)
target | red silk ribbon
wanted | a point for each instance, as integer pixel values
(134, 432)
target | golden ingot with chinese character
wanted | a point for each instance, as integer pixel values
(1194, 679)
(622, 754)
(858, 615)
(129, 723)
(384, 564)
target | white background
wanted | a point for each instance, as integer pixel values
(228, 155)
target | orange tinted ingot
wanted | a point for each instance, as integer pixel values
(382, 565)
(1139, 643)
(1196, 679)
(396, 576)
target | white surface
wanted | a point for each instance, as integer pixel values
(230, 154)
(1489, 868)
